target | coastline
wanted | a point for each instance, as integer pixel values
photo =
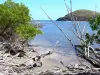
(49, 61)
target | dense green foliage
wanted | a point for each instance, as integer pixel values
(95, 25)
(91, 38)
(15, 17)
(79, 15)
(27, 31)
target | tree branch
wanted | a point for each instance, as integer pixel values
(58, 27)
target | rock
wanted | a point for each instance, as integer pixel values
(1, 59)
(7, 47)
(33, 50)
(22, 65)
(38, 58)
(34, 65)
(33, 59)
(35, 62)
(13, 52)
(21, 53)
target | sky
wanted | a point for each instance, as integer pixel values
(56, 8)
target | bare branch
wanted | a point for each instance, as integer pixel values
(83, 31)
(78, 37)
(58, 27)
(71, 7)
(69, 10)
(56, 44)
(76, 26)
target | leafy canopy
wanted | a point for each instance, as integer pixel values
(13, 14)
(27, 31)
(15, 18)
(95, 25)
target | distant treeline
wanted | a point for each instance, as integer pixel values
(79, 15)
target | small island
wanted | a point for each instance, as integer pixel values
(80, 15)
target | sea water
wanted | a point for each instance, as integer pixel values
(53, 37)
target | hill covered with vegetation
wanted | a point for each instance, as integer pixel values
(80, 15)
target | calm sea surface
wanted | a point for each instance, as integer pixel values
(51, 35)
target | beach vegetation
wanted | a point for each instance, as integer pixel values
(15, 20)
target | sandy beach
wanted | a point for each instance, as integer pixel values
(37, 60)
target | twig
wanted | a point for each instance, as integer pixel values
(73, 19)
(68, 10)
(56, 44)
(78, 36)
(83, 31)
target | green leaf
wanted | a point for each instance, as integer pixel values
(15, 17)
(98, 33)
(95, 23)
(87, 36)
(27, 31)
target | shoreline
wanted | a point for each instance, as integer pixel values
(49, 61)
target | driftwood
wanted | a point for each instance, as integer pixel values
(36, 60)
(73, 71)
(12, 48)
(43, 55)
(94, 60)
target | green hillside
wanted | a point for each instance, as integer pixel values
(80, 15)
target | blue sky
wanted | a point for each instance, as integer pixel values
(56, 8)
